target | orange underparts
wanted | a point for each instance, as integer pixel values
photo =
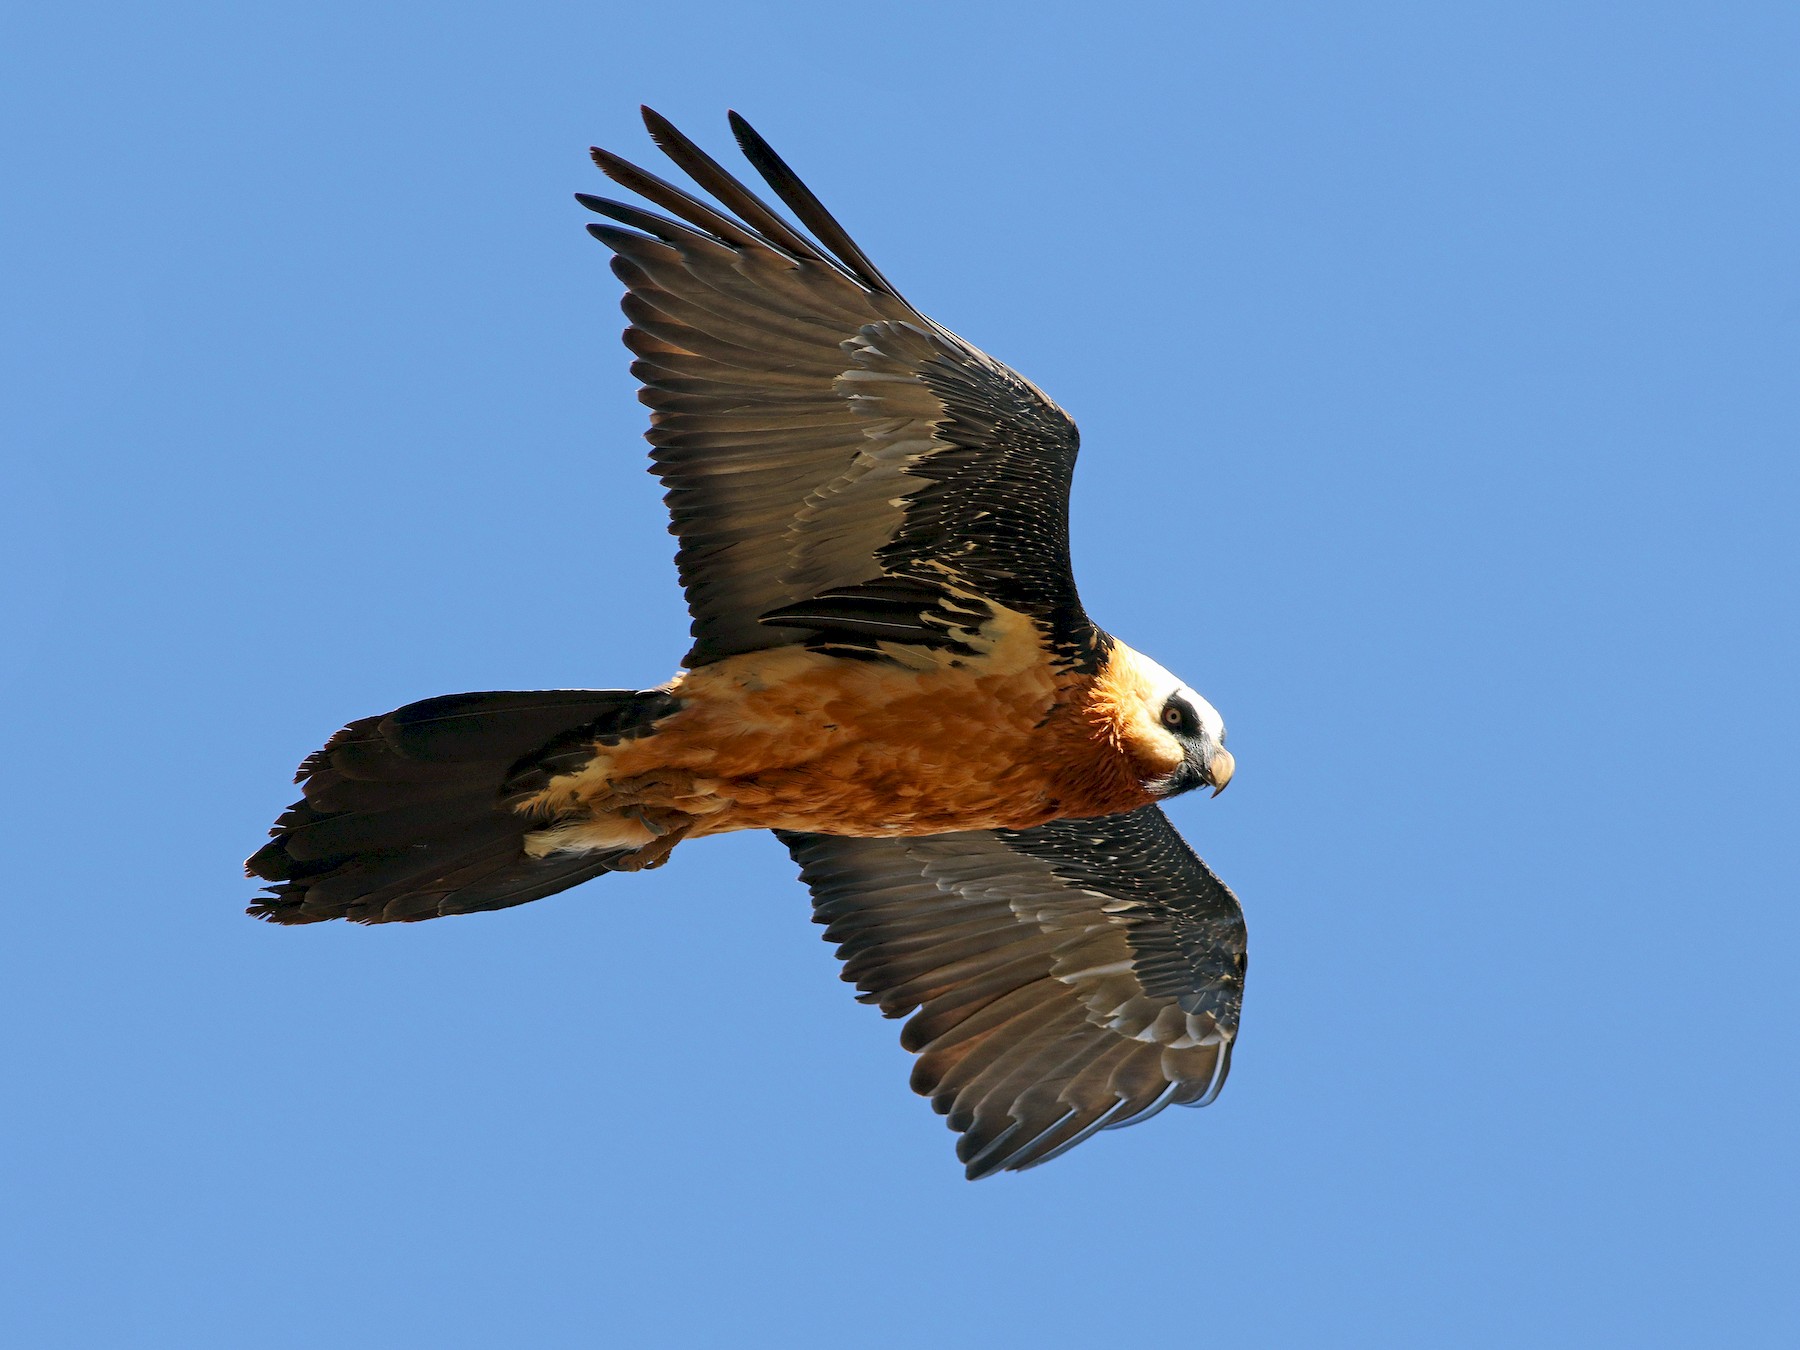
(800, 740)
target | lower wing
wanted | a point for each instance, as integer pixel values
(1066, 979)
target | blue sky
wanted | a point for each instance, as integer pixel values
(1436, 372)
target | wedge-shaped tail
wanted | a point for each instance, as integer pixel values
(404, 817)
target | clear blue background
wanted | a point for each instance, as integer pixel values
(1436, 367)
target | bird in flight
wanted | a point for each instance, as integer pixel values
(891, 670)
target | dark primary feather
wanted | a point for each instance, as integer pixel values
(816, 434)
(1074, 977)
(709, 174)
(405, 816)
(809, 208)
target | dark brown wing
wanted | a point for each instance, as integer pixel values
(841, 471)
(1070, 978)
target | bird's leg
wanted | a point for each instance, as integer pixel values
(659, 820)
(669, 827)
(647, 789)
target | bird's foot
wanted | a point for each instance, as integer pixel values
(669, 827)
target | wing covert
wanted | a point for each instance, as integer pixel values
(818, 435)
(1060, 980)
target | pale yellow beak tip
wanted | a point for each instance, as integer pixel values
(1220, 770)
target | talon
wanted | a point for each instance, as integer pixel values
(657, 822)
(670, 828)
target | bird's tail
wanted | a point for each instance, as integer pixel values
(404, 816)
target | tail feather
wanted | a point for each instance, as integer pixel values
(403, 817)
(328, 791)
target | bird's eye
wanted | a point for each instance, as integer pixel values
(1174, 715)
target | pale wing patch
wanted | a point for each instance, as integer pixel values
(846, 522)
(1093, 951)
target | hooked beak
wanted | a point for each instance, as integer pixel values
(1219, 769)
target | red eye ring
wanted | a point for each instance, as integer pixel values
(1173, 716)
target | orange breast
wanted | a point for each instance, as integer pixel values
(798, 740)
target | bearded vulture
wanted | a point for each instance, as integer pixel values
(891, 670)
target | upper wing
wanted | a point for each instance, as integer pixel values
(1074, 977)
(840, 470)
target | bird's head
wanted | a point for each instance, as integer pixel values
(1174, 737)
